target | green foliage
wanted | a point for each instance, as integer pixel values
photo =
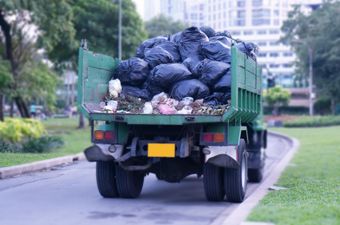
(319, 32)
(312, 179)
(16, 130)
(42, 144)
(97, 21)
(38, 83)
(163, 25)
(314, 121)
(276, 96)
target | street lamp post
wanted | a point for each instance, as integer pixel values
(120, 31)
(311, 93)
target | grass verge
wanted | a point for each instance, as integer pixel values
(312, 179)
(75, 141)
(313, 121)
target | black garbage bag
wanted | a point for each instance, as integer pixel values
(166, 75)
(217, 98)
(149, 44)
(222, 39)
(189, 88)
(224, 83)
(210, 32)
(248, 48)
(190, 41)
(153, 89)
(211, 71)
(192, 62)
(175, 37)
(133, 71)
(157, 55)
(172, 48)
(136, 92)
(216, 50)
(223, 33)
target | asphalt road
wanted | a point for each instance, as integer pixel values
(68, 195)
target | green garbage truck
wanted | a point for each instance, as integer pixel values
(227, 150)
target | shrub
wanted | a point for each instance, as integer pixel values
(314, 121)
(42, 144)
(16, 130)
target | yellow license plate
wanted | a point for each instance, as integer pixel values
(161, 150)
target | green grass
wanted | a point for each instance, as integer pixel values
(313, 121)
(312, 179)
(75, 141)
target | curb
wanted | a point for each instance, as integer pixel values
(241, 211)
(11, 171)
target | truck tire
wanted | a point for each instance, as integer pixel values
(213, 182)
(129, 183)
(235, 179)
(255, 175)
(106, 179)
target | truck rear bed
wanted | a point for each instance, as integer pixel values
(95, 72)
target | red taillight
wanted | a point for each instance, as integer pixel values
(213, 138)
(208, 137)
(100, 135)
(109, 135)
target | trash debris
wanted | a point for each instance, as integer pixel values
(136, 92)
(276, 188)
(148, 109)
(222, 39)
(210, 32)
(115, 88)
(172, 48)
(224, 83)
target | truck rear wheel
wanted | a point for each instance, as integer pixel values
(106, 179)
(255, 175)
(235, 179)
(213, 182)
(129, 183)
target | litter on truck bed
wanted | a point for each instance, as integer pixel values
(185, 73)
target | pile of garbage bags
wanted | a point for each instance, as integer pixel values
(180, 73)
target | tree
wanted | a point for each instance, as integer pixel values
(97, 21)
(162, 25)
(276, 97)
(319, 32)
(26, 26)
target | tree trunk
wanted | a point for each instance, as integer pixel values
(333, 106)
(81, 121)
(22, 107)
(11, 110)
(1, 108)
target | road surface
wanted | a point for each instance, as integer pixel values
(68, 195)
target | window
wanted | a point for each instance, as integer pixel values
(241, 3)
(261, 43)
(235, 33)
(274, 32)
(262, 54)
(274, 65)
(273, 43)
(287, 65)
(274, 54)
(257, 3)
(261, 32)
(288, 54)
(248, 32)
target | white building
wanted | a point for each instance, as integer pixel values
(258, 21)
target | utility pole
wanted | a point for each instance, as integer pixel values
(120, 31)
(311, 93)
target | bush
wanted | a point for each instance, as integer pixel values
(315, 121)
(42, 144)
(16, 130)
